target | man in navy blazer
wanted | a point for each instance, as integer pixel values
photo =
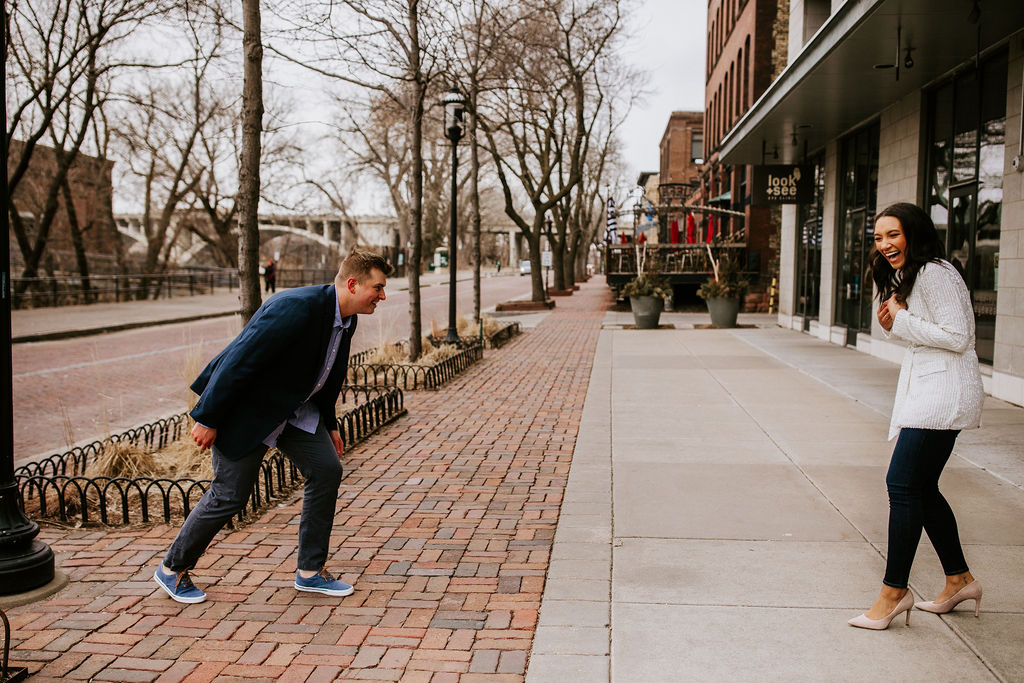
(276, 385)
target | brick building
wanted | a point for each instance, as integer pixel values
(745, 50)
(89, 179)
(682, 155)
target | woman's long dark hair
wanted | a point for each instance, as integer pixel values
(923, 245)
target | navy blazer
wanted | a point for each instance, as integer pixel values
(268, 370)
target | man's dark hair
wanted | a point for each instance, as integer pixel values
(358, 264)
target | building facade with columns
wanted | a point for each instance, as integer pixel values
(899, 100)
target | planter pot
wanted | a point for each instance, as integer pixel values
(723, 312)
(646, 311)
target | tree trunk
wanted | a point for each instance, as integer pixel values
(416, 209)
(557, 264)
(572, 270)
(536, 274)
(249, 162)
(76, 241)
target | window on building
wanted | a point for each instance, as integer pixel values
(858, 187)
(746, 74)
(697, 147)
(737, 83)
(808, 247)
(727, 119)
(966, 142)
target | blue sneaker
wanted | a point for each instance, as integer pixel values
(323, 582)
(179, 586)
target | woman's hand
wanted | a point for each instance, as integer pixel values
(883, 316)
(895, 306)
(887, 311)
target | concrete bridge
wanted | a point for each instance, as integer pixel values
(333, 232)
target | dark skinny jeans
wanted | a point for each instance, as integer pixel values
(915, 503)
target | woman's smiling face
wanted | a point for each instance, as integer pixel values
(890, 241)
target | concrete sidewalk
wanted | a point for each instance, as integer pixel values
(726, 514)
(63, 322)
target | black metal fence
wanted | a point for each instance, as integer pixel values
(57, 486)
(301, 277)
(68, 290)
(411, 377)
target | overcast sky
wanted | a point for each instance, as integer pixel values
(668, 43)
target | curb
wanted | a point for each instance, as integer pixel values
(68, 334)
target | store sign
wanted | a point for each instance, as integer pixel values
(782, 184)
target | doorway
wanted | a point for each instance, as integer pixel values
(858, 191)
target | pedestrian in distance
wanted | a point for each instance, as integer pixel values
(276, 385)
(924, 301)
(270, 277)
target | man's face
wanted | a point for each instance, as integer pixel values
(369, 292)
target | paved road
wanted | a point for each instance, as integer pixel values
(76, 390)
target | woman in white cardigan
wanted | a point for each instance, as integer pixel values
(925, 302)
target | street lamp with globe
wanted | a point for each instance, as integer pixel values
(454, 110)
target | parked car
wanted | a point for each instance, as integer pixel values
(524, 267)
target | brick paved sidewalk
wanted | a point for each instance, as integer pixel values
(445, 526)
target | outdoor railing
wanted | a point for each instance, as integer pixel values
(669, 259)
(68, 290)
(409, 376)
(57, 487)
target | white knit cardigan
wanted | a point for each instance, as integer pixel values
(940, 383)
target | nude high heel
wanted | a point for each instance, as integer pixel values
(971, 591)
(905, 605)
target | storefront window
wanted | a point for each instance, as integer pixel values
(967, 126)
(809, 226)
(858, 190)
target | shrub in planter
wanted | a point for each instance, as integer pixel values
(647, 293)
(724, 290)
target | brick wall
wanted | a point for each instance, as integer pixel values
(676, 147)
(90, 181)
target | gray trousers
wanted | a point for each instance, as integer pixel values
(315, 458)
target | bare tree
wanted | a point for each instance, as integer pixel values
(388, 47)
(215, 197)
(61, 54)
(158, 139)
(161, 132)
(616, 88)
(536, 124)
(477, 23)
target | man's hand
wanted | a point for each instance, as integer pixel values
(203, 436)
(339, 446)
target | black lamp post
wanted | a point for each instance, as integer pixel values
(25, 563)
(454, 109)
